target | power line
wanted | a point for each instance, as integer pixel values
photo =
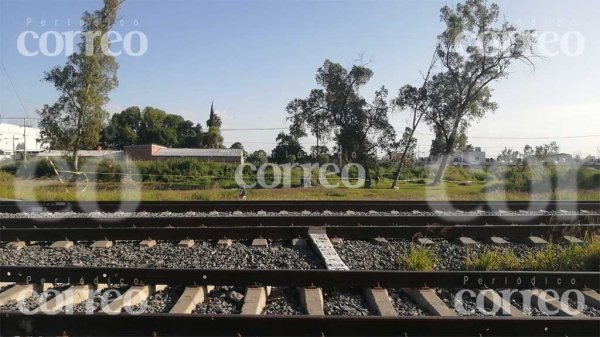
(253, 129)
(15, 89)
(431, 134)
(520, 138)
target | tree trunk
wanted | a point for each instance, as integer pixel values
(367, 177)
(400, 165)
(76, 160)
(441, 169)
(449, 146)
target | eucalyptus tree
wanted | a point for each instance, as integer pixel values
(417, 101)
(76, 120)
(476, 49)
(337, 111)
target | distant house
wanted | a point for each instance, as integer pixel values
(557, 158)
(158, 152)
(471, 157)
(560, 158)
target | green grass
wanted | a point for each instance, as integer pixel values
(552, 257)
(419, 259)
(494, 260)
(571, 258)
(52, 189)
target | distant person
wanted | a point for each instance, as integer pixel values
(243, 193)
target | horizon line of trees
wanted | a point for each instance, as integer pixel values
(134, 126)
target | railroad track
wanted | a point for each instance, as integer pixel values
(169, 233)
(177, 319)
(321, 294)
(296, 205)
(296, 220)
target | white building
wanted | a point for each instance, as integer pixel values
(473, 157)
(16, 138)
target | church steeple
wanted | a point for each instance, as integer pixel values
(211, 118)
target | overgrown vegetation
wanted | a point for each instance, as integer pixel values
(513, 183)
(419, 259)
(572, 257)
(552, 257)
(544, 178)
(493, 260)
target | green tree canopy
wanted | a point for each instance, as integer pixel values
(133, 127)
(287, 150)
(75, 121)
(476, 49)
(338, 111)
(258, 157)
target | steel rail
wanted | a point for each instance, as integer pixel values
(286, 220)
(279, 232)
(320, 278)
(294, 205)
(18, 324)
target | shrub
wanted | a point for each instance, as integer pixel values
(457, 174)
(571, 258)
(494, 260)
(109, 170)
(420, 259)
(588, 178)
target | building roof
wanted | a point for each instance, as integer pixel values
(167, 152)
(82, 153)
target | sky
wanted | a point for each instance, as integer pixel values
(252, 57)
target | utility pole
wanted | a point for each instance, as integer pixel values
(24, 139)
(14, 153)
(318, 159)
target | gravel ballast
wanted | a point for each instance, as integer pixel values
(220, 301)
(346, 302)
(368, 255)
(284, 301)
(160, 302)
(468, 303)
(29, 213)
(204, 254)
(404, 305)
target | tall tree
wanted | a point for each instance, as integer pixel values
(75, 121)
(123, 129)
(544, 151)
(338, 111)
(288, 149)
(132, 126)
(416, 101)
(508, 155)
(527, 152)
(258, 157)
(156, 128)
(239, 146)
(475, 50)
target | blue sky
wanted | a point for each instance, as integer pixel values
(253, 57)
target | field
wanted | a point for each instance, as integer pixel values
(51, 189)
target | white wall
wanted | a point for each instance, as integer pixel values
(7, 131)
